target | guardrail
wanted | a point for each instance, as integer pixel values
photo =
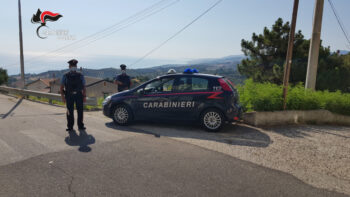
(51, 96)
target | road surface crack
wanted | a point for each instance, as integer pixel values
(71, 179)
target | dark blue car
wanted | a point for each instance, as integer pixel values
(208, 99)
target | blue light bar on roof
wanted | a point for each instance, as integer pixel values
(190, 71)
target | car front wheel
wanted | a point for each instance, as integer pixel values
(122, 115)
(212, 120)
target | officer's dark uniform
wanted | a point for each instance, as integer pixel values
(74, 83)
(125, 79)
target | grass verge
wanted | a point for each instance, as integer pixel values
(268, 97)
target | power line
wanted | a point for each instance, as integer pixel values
(130, 22)
(177, 33)
(125, 26)
(341, 24)
(127, 20)
(139, 15)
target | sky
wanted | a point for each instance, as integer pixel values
(217, 34)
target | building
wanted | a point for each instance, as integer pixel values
(42, 85)
(16, 84)
(95, 87)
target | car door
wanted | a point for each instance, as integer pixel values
(153, 99)
(190, 93)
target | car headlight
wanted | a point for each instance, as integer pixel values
(107, 100)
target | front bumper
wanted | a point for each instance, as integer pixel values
(106, 110)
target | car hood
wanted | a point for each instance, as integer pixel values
(120, 94)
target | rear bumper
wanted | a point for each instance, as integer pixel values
(234, 113)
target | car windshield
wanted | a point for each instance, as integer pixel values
(160, 85)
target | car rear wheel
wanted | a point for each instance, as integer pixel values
(122, 115)
(212, 120)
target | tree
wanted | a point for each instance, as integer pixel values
(266, 54)
(3, 76)
(334, 73)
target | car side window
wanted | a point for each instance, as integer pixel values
(168, 85)
(161, 85)
(186, 84)
(200, 84)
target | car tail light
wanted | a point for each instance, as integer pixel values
(224, 85)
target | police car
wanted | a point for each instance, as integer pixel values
(208, 99)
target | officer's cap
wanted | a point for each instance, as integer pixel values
(73, 62)
(123, 66)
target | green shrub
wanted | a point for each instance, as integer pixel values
(268, 97)
(301, 99)
(337, 102)
(100, 101)
(260, 97)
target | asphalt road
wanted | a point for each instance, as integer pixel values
(38, 158)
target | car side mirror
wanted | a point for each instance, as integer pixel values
(141, 91)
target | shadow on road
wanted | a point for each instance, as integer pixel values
(233, 134)
(83, 140)
(3, 116)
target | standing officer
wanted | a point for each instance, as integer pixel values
(123, 80)
(73, 91)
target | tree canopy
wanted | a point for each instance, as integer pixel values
(266, 54)
(3, 76)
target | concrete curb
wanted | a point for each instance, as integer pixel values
(295, 117)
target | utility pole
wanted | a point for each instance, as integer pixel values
(314, 46)
(289, 56)
(21, 44)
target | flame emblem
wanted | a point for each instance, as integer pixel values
(42, 18)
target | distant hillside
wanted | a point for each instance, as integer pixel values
(343, 52)
(226, 66)
(227, 59)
